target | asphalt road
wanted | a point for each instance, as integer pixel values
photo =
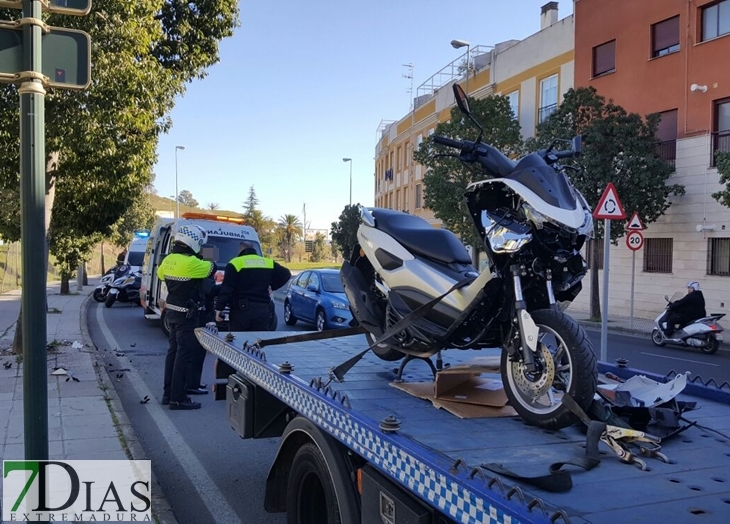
(208, 473)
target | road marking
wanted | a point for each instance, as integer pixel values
(210, 495)
(682, 359)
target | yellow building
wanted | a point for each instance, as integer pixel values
(534, 73)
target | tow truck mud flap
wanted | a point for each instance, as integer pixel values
(252, 411)
(383, 501)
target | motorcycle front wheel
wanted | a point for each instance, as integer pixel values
(657, 338)
(566, 362)
(110, 299)
(384, 351)
(100, 295)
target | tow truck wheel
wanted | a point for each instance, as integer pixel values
(310, 494)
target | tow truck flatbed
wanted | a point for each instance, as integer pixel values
(435, 456)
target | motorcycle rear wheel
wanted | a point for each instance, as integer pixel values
(713, 347)
(384, 351)
(568, 363)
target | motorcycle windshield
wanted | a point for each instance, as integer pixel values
(548, 184)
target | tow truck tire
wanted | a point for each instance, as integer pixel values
(311, 496)
(165, 323)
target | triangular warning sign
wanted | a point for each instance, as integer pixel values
(609, 206)
(635, 223)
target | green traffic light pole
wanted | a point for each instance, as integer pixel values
(33, 236)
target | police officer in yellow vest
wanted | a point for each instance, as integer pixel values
(184, 272)
(247, 283)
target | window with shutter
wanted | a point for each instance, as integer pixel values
(604, 58)
(665, 37)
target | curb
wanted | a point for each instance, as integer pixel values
(161, 510)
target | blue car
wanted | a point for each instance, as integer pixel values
(317, 297)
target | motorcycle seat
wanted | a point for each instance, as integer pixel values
(420, 237)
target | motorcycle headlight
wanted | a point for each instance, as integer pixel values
(340, 305)
(587, 227)
(534, 216)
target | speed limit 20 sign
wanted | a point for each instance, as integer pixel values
(635, 240)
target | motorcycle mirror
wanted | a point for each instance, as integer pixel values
(461, 100)
(666, 297)
(578, 145)
(463, 104)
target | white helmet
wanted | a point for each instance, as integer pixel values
(192, 236)
(694, 285)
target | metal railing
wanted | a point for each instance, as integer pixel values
(718, 256)
(720, 144)
(544, 112)
(658, 255)
(668, 151)
(455, 69)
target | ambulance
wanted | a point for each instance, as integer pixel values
(225, 235)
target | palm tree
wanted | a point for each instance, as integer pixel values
(291, 228)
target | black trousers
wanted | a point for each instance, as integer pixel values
(676, 318)
(253, 316)
(185, 356)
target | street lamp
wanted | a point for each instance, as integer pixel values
(349, 160)
(177, 193)
(457, 44)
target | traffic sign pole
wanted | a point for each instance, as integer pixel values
(33, 239)
(604, 307)
(633, 278)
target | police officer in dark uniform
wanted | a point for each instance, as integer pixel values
(248, 282)
(185, 273)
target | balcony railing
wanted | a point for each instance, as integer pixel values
(720, 144)
(668, 151)
(544, 112)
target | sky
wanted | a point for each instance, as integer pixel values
(303, 84)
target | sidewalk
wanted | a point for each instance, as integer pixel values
(85, 416)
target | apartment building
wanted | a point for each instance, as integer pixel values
(534, 73)
(669, 57)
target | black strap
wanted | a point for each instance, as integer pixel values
(339, 371)
(559, 480)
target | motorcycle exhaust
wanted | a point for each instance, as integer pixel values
(362, 300)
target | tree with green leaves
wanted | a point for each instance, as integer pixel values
(344, 231)
(722, 161)
(186, 198)
(618, 147)
(447, 178)
(101, 142)
(252, 202)
(291, 230)
(319, 248)
(139, 216)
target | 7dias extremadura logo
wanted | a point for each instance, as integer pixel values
(77, 490)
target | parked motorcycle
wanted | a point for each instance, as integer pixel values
(102, 290)
(415, 283)
(703, 333)
(125, 287)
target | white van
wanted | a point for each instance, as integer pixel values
(224, 238)
(136, 250)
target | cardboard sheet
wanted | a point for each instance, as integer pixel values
(462, 391)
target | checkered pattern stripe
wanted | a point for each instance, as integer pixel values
(427, 480)
(195, 234)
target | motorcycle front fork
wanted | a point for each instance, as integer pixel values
(528, 329)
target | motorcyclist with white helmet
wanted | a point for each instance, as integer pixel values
(685, 310)
(184, 272)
